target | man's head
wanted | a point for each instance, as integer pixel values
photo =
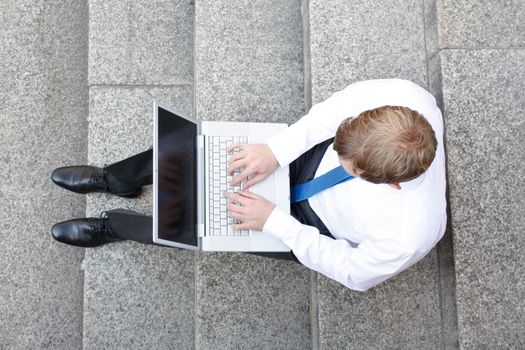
(389, 144)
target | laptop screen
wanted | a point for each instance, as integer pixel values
(177, 178)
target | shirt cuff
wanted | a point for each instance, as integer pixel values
(278, 147)
(279, 224)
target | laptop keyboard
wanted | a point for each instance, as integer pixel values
(219, 181)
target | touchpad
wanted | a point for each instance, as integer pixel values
(265, 188)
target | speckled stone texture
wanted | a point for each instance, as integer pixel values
(445, 250)
(140, 43)
(481, 24)
(136, 296)
(249, 67)
(360, 40)
(249, 60)
(402, 313)
(43, 109)
(250, 302)
(484, 111)
(120, 126)
(139, 297)
(430, 19)
(352, 41)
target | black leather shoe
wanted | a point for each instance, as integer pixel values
(86, 232)
(85, 179)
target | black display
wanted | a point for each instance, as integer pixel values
(177, 179)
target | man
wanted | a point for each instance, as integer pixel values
(388, 135)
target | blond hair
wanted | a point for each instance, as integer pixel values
(389, 144)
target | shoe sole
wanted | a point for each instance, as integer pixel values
(124, 194)
(127, 194)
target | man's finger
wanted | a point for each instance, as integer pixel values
(253, 181)
(249, 195)
(237, 156)
(241, 177)
(243, 226)
(232, 196)
(236, 165)
(235, 145)
(236, 209)
(237, 216)
(235, 197)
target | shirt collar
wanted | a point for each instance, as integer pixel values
(412, 184)
(405, 186)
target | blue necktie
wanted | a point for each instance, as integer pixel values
(306, 190)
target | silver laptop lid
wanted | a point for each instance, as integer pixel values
(175, 179)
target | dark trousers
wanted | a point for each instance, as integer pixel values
(138, 171)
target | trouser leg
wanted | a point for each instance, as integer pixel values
(128, 224)
(136, 170)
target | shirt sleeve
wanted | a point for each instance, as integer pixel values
(361, 268)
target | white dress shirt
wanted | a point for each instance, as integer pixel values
(379, 231)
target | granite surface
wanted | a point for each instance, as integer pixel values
(472, 24)
(43, 97)
(251, 302)
(136, 296)
(120, 126)
(139, 297)
(137, 43)
(484, 109)
(402, 313)
(352, 41)
(431, 24)
(249, 67)
(249, 60)
(445, 249)
(359, 40)
(121, 119)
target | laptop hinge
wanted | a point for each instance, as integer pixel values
(201, 199)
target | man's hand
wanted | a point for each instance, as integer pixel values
(257, 160)
(252, 210)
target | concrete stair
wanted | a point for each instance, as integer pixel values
(485, 146)
(256, 74)
(43, 98)
(252, 61)
(135, 296)
(352, 41)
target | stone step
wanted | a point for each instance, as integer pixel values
(479, 24)
(134, 43)
(484, 107)
(43, 104)
(482, 82)
(136, 296)
(349, 42)
(249, 67)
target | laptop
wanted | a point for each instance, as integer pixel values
(190, 162)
